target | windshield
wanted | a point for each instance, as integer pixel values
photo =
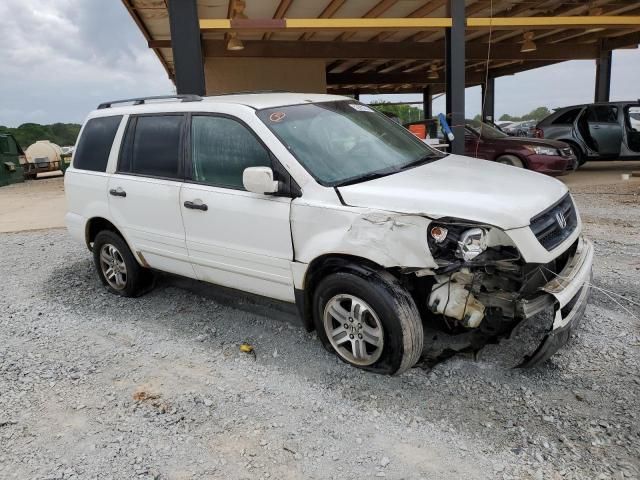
(345, 142)
(485, 130)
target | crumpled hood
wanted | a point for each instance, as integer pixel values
(461, 187)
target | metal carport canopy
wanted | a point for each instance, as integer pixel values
(391, 46)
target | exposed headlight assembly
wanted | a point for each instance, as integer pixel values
(471, 244)
(457, 241)
(540, 150)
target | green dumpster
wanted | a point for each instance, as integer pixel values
(10, 152)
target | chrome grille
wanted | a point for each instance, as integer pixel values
(554, 225)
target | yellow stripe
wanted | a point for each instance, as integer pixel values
(554, 22)
(343, 24)
(340, 24)
(215, 24)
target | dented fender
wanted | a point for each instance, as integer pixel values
(386, 238)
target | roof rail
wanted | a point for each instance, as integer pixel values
(143, 100)
(251, 92)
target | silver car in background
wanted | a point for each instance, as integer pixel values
(596, 131)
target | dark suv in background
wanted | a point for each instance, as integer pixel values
(596, 131)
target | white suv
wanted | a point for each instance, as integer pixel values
(384, 244)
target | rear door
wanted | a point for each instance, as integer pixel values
(604, 129)
(144, 193)
(235, 238)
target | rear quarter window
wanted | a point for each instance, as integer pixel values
(568, 117)
(95, 143)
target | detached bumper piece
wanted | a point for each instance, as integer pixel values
(568, 293)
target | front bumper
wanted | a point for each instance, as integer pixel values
(553, 165)
(568, 295)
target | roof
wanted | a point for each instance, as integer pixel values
(257, 101)
(270, 100)
(378, 58)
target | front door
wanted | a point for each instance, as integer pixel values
(144, 193)
(604, 129)
(235, 238)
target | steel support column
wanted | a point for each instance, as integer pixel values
(186, 45)
(455, 74)
(489, 99)
(427, 102)
(603, 76)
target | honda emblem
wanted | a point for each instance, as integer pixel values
(562, 221)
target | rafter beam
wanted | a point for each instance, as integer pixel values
(420, 78)
(386, 50)
(329, 11)
(377, 10)
(281, 11)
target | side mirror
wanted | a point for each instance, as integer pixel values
(259, 180)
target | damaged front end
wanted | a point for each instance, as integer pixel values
(483, 292)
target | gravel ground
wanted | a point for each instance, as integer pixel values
(96, 386)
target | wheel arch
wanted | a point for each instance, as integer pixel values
(97, 224)
(519, 156)
(318, 269)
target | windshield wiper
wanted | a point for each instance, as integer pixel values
(422, 160)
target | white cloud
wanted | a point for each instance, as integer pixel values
(62, 57)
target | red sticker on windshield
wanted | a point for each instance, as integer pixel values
(277, 116)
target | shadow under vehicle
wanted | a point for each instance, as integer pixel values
(597, 131)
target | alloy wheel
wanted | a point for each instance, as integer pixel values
(113, 267)
(353, 329)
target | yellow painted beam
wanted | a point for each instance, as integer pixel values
(326, 24)
(367, 23)
(612, 21)
(215, 24)
(398, 24)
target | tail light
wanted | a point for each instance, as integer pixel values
(538, 133)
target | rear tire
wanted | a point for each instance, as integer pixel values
(117, 268)
(510, 160)
(372, 320)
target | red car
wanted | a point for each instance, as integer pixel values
(483, 140)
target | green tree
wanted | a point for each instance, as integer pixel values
(61, 133)
(537, 114)
(406, 113)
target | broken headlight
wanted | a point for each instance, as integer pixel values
(471, 244)
(451, 241)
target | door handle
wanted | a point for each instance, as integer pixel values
(117, 192)
(196, 206)
(595, 127)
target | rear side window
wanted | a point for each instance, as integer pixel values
(221, 148)
(568, 117)
(602, 114)
(95, 143)
(153, 146)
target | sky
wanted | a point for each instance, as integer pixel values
(60, 58)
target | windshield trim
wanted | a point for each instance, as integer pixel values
(437, 155)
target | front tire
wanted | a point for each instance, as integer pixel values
(117, 268)
(581, 158)
(510, 160)
(369, 320)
